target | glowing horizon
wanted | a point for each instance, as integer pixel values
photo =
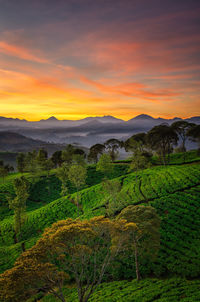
(119, 59)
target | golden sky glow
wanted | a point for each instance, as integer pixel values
(103, 64)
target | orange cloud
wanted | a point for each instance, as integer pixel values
(20, 52)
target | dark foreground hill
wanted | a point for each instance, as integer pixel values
(14, 142)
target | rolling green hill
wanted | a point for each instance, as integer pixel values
(174, 191)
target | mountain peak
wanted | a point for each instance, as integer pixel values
(50, 119)
(142, 117)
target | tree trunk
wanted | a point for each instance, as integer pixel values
(137, 264)
(77, 203)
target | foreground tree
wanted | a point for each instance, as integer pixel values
(84, 249)
(31, 277)
(142, 234)
(18, 204)
(162, 138)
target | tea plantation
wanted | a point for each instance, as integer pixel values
(149, 290)
(173, 190)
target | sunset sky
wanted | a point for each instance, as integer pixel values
(78, 58)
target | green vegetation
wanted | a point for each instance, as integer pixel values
(149, 290)
(172, 190)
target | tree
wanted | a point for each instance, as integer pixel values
(114, 196)
(21, 162)
(84, 249)
(30, 277)
(95, 151)
(3, 172)
(68, 153)
(57, 158)
(77, 176)
(139, 161)
(181, 128)
(141, 232)
(112, 145)
(41, 159)
(18, 204)
(30, 161)
(194, 134)
(162, 138)
(105, 165)
(62, 174)
(139, 139)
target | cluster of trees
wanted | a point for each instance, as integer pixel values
(160, 139)
(83, 251)
(39, 161)
(34, 161)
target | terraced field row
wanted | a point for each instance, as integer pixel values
(149, 290)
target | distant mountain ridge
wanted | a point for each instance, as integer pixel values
(87, 131)
(105, 118)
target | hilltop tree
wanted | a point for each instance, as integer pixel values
(138, 139)
(84, 249)
(112, 145)
(139, 161)
(30, 161)
(62, 174)
(68, 153)
(77, 176)
(105, 165)
(41, 159)
(21, 162)
(3, 172)
(57, 158)
(18, 204)
(194, 134)
(162, 138)
(141, 233)
(95, 151)
(181, 128)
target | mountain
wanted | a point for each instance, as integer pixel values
(141, 117)
(50, 119)
(103, 119)
(86, 131)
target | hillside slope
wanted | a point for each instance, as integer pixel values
(174, 191)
